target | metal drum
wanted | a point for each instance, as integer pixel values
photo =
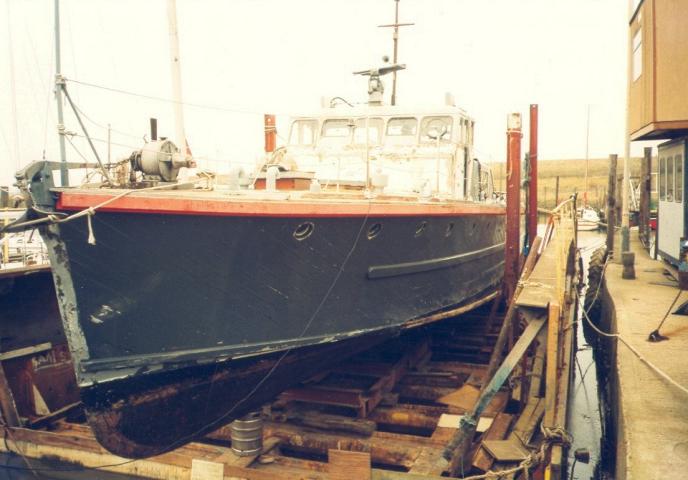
(247, 435)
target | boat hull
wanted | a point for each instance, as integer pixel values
(175, 320)
(158, 413)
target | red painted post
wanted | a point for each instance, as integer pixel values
(270, 133)
(533, 184)
(513, 204)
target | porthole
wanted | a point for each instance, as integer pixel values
(449, 230)
(304, 231)
(374, 230)
(421, 228)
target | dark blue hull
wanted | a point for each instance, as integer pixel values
(162, 303)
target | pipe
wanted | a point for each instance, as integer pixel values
(270, 133)
(154, 129)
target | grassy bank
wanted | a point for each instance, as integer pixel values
(571, 175)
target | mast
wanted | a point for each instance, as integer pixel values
(180, 136)
(13, 92)
(59, 82)
(587, 144)
(395, 37)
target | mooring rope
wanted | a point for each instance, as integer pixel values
(553, 435)
(618, 336)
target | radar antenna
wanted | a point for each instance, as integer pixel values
(375, 85)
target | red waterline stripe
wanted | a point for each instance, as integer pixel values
(73, 201)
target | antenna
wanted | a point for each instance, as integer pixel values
(395, 36)
(375, 86)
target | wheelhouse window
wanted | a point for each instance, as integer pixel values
(662, 178)
(678, 166)
(337, 128)
(303, 132)
(375, 128)
(433, 127)
(402, 127)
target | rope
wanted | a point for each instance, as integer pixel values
(8, 433)
(54, 217)
(640, 356)
(554, 435)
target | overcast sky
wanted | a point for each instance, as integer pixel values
(254, 56)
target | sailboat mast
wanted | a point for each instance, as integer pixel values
(180, 137)
(587, 145)
(59, 81)
(13, 93)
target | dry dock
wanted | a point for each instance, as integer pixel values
(652, 414)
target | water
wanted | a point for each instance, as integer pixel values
(585, 415)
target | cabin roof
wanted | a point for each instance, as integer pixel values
(344, 111)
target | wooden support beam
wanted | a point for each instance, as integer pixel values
(558, 457)
(337, 423)
(461, 442)
(345, 465)
(22, 352)
(385, 448)
(497, 431)
(9, 409)
(553, 330)
(611, 203)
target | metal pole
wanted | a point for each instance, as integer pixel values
(88, 137)
(59, 82)
(513, 204)
(367, 134)
(533, 185)
(394, 59)
(175, 66)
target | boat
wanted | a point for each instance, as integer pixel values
(587, 219)
(188, 300)
(187, 304)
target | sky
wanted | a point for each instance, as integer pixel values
(242, 58)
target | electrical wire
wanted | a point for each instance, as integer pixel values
(169, 100)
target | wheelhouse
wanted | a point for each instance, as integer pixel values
(428, 152)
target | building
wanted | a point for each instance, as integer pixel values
(658, 106)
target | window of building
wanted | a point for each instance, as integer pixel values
(637, 54)
(678, 165)
(375, 128)
(662, 178)
(670, 179)
(303, 132)
(402, 127)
